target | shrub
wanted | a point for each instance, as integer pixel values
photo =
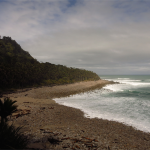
(11, 137)
(7, 107)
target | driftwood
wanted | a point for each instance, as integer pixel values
(20, 113)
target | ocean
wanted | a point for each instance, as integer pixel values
(127, 102)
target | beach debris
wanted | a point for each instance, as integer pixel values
(116, 141)
(50, 107)
(47, 132)
(65, 147)
(42, 129)
(56, 134)
(21, 112)
(53, 140)
(66, 138)
(146, 139)
(42, 108)
(77, 146)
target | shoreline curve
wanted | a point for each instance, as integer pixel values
(48, 118)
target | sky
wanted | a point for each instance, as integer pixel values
(104, 36)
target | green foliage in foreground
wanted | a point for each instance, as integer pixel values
(7, 107)
(11, 137)
(18, 69)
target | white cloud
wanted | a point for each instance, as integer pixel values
(110, 34)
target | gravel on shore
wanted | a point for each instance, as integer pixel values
(53, 126)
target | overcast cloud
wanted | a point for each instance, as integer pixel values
(105, 36)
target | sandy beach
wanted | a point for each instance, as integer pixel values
(44, 119)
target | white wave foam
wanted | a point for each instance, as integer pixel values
(136, 83)
(125, 85)
(141, 84)
(104, 104)
(138, 124)
(130, 80)
(114, 87)
(125, 110)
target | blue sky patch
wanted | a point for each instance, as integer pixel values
(72, 3)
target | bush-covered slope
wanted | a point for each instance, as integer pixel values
(18, 69)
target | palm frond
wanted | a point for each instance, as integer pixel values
(7, 107)
(11, 137)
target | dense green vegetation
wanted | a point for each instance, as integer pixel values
(18, 69)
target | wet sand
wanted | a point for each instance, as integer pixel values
(44, 119)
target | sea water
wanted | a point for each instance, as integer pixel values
(128, 101)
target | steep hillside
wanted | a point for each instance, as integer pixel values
(11, 52)
(18, 69)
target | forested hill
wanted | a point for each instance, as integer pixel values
(18, 69)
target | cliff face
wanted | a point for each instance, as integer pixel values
(18, 69)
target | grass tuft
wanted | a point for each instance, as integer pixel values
(11, 137)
